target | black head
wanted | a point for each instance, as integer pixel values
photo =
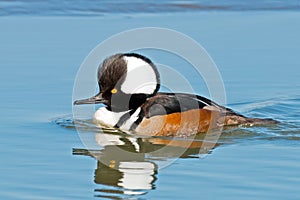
(125, 82)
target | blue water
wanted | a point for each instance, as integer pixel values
(42, 156)
(104, 7)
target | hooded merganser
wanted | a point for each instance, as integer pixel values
(129, 85)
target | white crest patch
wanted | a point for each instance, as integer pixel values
(140, 77)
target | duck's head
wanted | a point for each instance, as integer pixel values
(125, 82)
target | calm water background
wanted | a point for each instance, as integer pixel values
(257, 53)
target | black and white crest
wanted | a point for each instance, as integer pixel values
(141, 77)
(130, 73)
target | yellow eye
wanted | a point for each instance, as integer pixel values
(114, 91)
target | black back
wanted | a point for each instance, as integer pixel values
(168, 103)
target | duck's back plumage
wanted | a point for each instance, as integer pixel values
(169, 114)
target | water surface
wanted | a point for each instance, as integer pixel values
(106, 7)
(43, 157)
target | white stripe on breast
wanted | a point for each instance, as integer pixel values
(126, 126)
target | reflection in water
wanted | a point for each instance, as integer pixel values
(128, 166)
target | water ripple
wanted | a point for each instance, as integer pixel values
(92, 8)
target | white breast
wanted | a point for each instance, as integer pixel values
(110, 119)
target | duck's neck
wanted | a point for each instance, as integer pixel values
(125, 102)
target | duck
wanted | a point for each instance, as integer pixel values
(129, 86)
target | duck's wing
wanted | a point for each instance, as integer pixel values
(168, 103)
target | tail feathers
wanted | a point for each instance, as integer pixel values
(232, 118)
(259, 121)
(242, 120)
